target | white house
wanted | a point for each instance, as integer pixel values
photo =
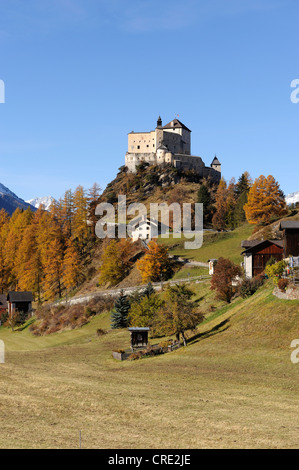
(148, 228)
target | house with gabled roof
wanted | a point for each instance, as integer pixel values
(146, 228)
(257, 253)
(19, 302)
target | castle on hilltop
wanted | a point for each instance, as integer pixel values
(169, 144)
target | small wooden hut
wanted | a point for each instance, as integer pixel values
(139, 337)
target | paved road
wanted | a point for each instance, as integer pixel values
(127, 290)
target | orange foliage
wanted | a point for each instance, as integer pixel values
(155, 264)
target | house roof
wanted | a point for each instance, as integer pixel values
(259, 243)
(139, 328)
(289, 224)
(249, 243)
(3, 301)
(177, 124)
(20, 296)
(142, 219)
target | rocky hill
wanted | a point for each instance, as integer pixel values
(155, 183)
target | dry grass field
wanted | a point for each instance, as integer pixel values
(233, 386)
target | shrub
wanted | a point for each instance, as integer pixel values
(271, 261)
(250, 286)
(89, 312)
(101, 332)
(283, 284)
(4, 317)
(275, 271)
(101, 303)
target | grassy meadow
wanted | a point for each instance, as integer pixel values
(233, 386)
(215, 244)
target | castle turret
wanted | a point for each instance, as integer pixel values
(216, 165)
(159, 122)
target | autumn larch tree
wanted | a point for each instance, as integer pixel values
(219, 218)
(116, 261)
(4, 227)
(93, 199)
(155, 264)
(72, 269)
(265, 201)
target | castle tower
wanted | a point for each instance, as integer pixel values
(159, 122)
(216, 165)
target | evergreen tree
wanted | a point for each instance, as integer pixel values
(149, 290)
(239, 214)
(204, 197)
(119, 316)
(244, 184)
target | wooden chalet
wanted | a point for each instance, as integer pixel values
(258, 252)
(290, 232)
(20, 302)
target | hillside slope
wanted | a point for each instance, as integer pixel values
(154, 184)
(233, 386)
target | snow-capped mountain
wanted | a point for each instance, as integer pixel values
(46, 201)
(292, 198)
(10, 201)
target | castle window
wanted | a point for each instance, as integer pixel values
(147, 145)
(138, 146)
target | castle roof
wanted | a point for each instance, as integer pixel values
(215, 161)
(162, 147)
(175, 123)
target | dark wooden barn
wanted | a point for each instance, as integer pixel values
(290, 231)
(20, 302)
(257, 253)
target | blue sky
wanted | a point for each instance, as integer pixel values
(80, 74)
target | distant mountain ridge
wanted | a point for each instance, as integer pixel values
(9, 201)
(46, 201)
(292, 198)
